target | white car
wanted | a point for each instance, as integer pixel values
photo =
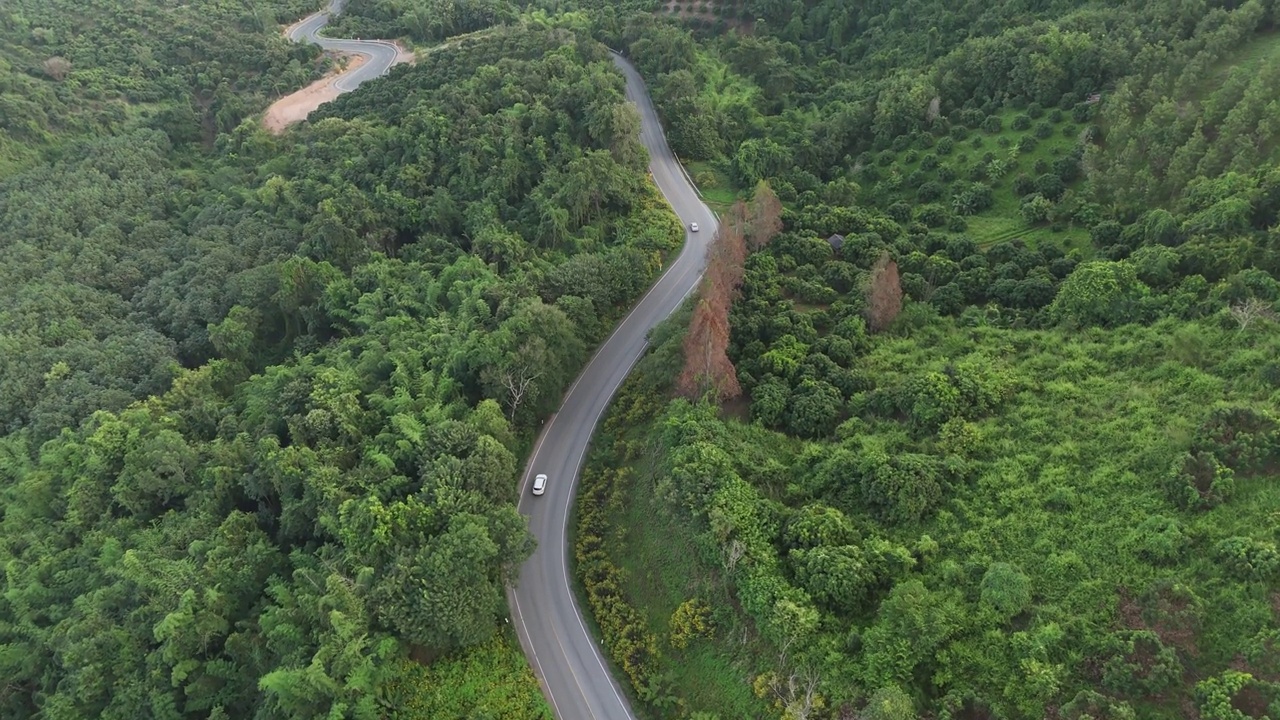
(539, 484)
(693, 227)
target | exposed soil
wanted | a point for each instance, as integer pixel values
(297, 106)
(1251, 701)
(738, 409)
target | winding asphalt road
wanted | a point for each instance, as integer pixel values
(571, 667)
(380, 54)
(569, 664)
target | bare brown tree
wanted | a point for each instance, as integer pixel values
(519, 374)
(707, 366)
(1246, 312)
(766, 216)
(57, 67)
(935, 109)
(795, 691)
(884, 294)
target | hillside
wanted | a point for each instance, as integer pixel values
(261, 443)
(974, 414)
(987, 427)
(72, 70)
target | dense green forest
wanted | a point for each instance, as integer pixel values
(421, 20)
(98, 68)
(989, 429)
(973, 417)
(262, 432)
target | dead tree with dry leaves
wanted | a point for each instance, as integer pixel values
(766, 216)
(1246, 312)
(57, 67)
(884, 293)
(707, 367)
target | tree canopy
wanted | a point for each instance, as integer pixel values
(262, 406)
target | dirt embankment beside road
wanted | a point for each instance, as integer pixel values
(296, 106)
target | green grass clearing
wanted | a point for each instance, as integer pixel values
(661, 563)
(717, 189)
(1263, 48)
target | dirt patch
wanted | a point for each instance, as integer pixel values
(738, 409)
(297, 106)
(1167, 612)
(402, 55)
(1251, 701)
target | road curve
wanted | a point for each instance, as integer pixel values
(571, 667)
(380, 55)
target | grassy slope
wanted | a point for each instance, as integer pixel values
(663, 569)
(1001, 222)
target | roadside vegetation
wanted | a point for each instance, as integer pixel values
(989, 429)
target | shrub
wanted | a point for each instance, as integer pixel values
(1021, 122)
(993, 124)
(815, 408)
(972, 117)
(625, 634)
(1036, 208)
(1050, 186)
(1006, 590)
(690, 620)
(1248, 559)
(929, 191)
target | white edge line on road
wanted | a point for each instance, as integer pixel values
(523, 634)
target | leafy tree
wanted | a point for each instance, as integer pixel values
(1100, 293)
(1006, 590)
(889, 703)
